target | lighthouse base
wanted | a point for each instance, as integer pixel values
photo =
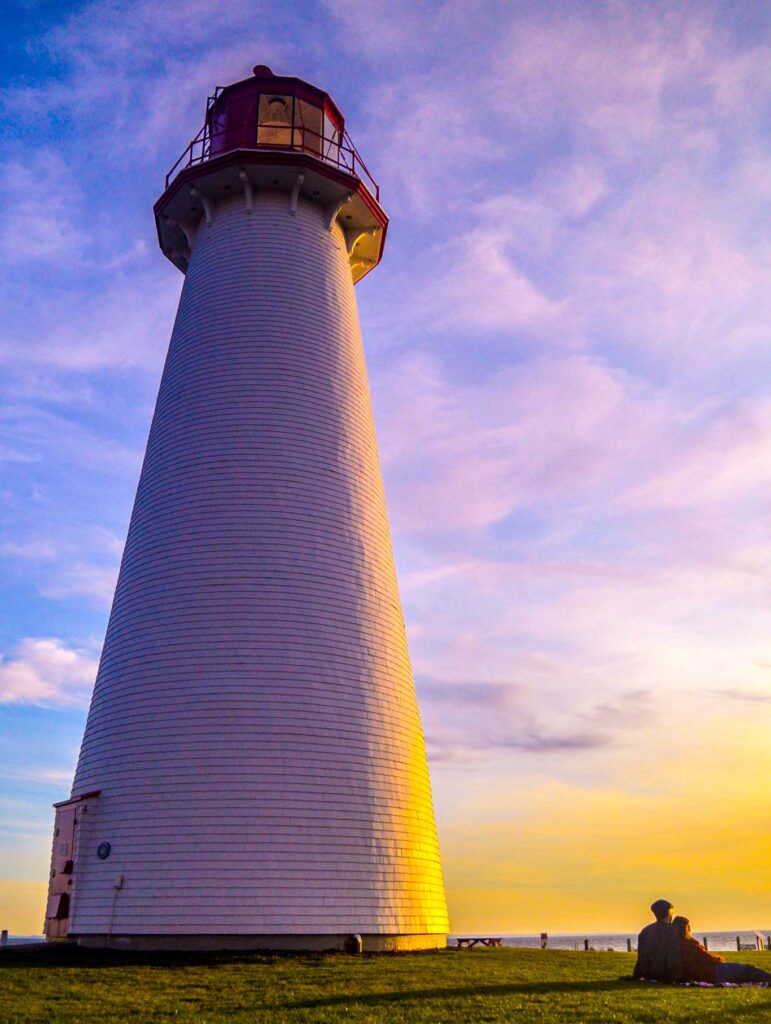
(372, 943)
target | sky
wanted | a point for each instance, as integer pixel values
(568, 349)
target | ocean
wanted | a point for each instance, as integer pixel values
(716, 941)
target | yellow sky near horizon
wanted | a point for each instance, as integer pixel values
(689, 822)
(22, 905)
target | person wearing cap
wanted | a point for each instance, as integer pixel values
(658, 947)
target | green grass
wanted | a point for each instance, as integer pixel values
(70, 986)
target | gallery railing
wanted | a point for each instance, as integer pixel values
(339, 153)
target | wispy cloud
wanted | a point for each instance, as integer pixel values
(469, 454)
(43, 210)
(476, 285)
(45, 776)
(41, 549)
(718, 459)
(63, 572)
(46, 672)
(121, 326)
(631, 209)
(86, 579)
(475, 722)
(745, 696)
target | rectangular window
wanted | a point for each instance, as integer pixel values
(232, 126)
(331, 140)
(308, 127)
(274, 122)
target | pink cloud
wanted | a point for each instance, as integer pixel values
(475, 285)
(722, 459)
(468, 455)
(44, 671)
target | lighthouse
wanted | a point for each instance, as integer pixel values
(253, 771)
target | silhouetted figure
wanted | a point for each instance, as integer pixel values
(658, 947)
(701, 965)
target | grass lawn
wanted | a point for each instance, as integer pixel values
(474, 986)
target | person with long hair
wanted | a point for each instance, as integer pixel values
(701, 965)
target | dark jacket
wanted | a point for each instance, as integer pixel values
(698, 963)
(658, 953)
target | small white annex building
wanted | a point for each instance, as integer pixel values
(253, 771)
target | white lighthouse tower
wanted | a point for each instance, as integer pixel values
(253, 772)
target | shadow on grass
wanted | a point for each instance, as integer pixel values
(531, 988)
(512, 989)
(54, 956)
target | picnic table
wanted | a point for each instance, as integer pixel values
(469, 943)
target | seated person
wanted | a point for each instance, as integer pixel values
(701, 965)
(658, 950)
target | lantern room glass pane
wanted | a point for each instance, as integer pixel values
(331, 140)
(217, 131)
(274, 122)
(232, 123)
(308, 127)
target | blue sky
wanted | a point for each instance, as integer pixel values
(569, 358)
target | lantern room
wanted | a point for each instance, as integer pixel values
(276, 133)
(270, 110)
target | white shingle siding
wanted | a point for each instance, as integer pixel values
(254, 731)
